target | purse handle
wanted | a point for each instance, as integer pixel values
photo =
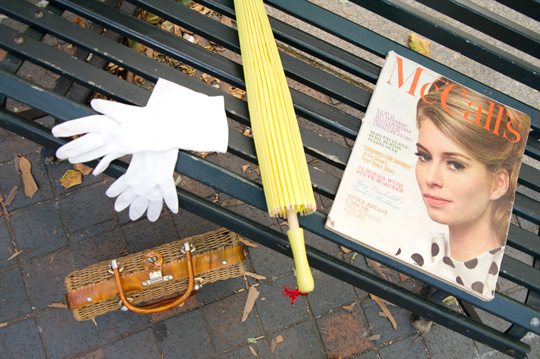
(162, 305)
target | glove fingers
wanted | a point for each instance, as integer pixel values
(124, 199)
(115, 110)
(80, 126)
(138, 207)
(105, 162)
(90, 155)
(170, 196)
(117, 187)
(154, 209)
(81, 145)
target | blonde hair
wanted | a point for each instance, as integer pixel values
(495, 151)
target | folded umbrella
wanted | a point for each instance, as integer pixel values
(280, 152)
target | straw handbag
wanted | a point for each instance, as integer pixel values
(143, 277)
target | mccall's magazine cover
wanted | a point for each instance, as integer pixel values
(432, 176)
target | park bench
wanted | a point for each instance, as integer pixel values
(331, 88)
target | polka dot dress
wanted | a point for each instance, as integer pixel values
(479, 274)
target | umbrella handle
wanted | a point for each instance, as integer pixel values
(304, 278)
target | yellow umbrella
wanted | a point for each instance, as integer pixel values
(282, 161)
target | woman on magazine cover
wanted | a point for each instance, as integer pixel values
(467, 175)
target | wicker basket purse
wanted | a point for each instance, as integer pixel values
(164, 271)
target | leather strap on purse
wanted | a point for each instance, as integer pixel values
(154, 272)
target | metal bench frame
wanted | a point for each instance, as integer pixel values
(80, 78)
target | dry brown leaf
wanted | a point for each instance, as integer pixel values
(254, 275)
(253, 351)
(273, 346)
(84, 169)
(253, 294)
(345, 250)
(349, 307)
(237, 92)
(248, 243)
(377, 268)
(231, 202)
(3, 325)
(14, 255)
(279, 339)
(58, 305)
(71, 178)
(385, 309)
(79, 21)
(201, 9)
(419, 44)
(11, 196)
(30, 186)
(244, 168)
(375, 337)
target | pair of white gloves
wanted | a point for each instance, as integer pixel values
(174, 118)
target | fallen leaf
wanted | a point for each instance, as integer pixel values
(231, 202)
(3, 325)
(244, 168)
(237, 92)
(256, 276)
(450, 300)
(279, 339)
(247, 243)
(14, 255)
(151, 18)
(11, 196)
(71, 178)
(58, 305)
(79, 21)
(375, 337)
(201, 9)
(30, 186)
(272, 346)
(403, 278)
(377, 268)
(167, 26)
(345, 250)
(84, 169)
(253, 351)
(349, 307)
(419, 44)
(253, 294)
(254, 340)
(385, 309)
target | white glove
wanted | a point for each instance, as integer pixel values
(147, 182)
(193, 121)
(153, 134)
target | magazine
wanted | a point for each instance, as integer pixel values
(432, 176)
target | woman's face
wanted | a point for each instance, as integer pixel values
(456, 188)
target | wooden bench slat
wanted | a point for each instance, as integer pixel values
(520, 273)
(455, 38)
(530, 8)
(489, 23)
